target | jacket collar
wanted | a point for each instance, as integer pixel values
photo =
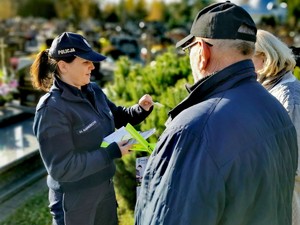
(68, 91)
(215, 83)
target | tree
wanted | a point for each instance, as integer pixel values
(110, 13)
(37, 8)
(140, 10)
(178, 14)
(7, 10)
(156, 11)
(75, 10)
(294, 12)
(129, 9)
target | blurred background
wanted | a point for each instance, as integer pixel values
(138, 29)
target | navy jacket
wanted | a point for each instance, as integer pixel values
(228, 156)
(70, 126)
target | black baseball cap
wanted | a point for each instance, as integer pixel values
(221, 21)
(72, 44)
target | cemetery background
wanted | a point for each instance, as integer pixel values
(141, 60)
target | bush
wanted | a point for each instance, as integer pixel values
(164, 80)
(297, 72)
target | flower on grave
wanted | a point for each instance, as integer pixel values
(8, 86)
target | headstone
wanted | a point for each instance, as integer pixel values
(20, 162)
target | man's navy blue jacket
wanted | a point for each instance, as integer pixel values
(70, 126)
(228, 156)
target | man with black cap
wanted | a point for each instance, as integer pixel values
(70, 123)
(228, 155)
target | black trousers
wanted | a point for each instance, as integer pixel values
(89, 206)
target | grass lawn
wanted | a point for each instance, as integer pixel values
(35, 212)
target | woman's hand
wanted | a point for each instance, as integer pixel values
(146, 102)
(124, 147)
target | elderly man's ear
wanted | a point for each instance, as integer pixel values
(204, 55)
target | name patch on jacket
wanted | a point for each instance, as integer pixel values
(89, 126)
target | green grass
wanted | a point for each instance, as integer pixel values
(35, 212)
(32, 212)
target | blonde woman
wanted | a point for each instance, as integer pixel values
(274, 63)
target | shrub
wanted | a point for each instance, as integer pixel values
(164, 80)
(297, 72)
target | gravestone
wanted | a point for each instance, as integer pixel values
(20, 162)
(29, 96)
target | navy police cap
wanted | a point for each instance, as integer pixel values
(72, 44)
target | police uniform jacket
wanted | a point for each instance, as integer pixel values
(70, 126)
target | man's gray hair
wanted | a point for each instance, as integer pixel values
(243, 47)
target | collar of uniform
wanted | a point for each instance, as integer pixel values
(67, 90)
(218, 82)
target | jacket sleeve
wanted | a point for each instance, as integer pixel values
(123, 115)
(54, 135)
(294, 113)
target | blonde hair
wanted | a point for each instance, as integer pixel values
(278, 56)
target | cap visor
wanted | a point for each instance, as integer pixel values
(182, 42)
(92, 56)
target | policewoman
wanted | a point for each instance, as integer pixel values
(71, 120)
